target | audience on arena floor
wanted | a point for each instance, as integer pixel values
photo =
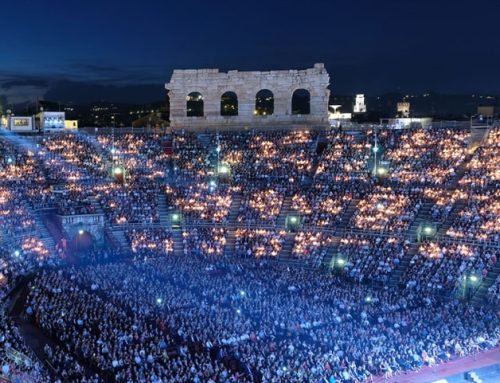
(281, 324)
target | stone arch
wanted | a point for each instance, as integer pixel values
(264, 103)
(194, 105)
(301, 101)
(229, 104)
(83, 240)
(80, 224)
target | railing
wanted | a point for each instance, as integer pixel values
(118, 130)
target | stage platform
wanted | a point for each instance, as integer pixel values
(486, 365)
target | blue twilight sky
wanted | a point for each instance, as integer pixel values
(124, 50)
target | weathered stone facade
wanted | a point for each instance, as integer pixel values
(91, 223)
(212, 84)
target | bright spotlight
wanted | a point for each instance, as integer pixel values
(242, 293)
(380, 206)
(175, 217)
(118, 171)
(375, 149)
(223, 169)
(17, 253)
(473, 278)
(238, 311)
(368, 299)
(159, 301)
(340, 262)
(80, 232)
(428, 230)
(381, 171)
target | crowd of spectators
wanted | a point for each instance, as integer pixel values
(190, 157)
(15, 218)
(344, 160)
(483, 171)
(260, 205)
(387, 209)
(367, 257)
(442, 266)
(219, 308)
(142, 155)
(17, 360)
(130, 203)
(311, 246)
(202, 202)
(321, 206)
(494, 292)
(72, 157)
(480, 218)
(443, 201)
(427, 156)
(75, 199)
(204, 241)
(190, 319)
(150, 242)
(258, 242)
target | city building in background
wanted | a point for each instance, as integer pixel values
(403, 109)
(21, 124)
(52, 121)
(359, 104)
(336, 117)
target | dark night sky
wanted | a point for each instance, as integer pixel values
(124, 50)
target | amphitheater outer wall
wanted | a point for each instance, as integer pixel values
(212, 84)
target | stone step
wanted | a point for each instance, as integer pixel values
(332, 252)
(400, 270)
(486, 283)
(285, 210)
(178, 242)
(348, 214)
(455, 211)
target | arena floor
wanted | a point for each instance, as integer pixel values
(486, 365)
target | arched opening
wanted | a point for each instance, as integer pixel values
(194, 105)
(83, 241)
(264, 103)
(301, 102)
(229, 104)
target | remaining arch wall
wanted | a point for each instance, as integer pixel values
(212, 84)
